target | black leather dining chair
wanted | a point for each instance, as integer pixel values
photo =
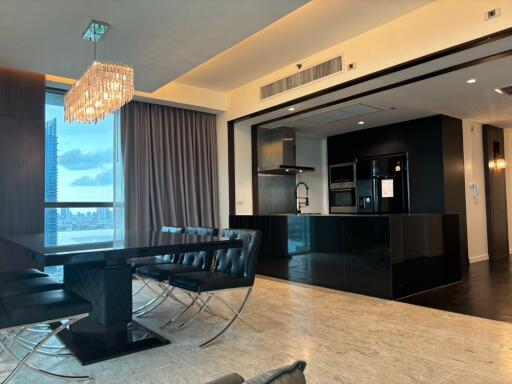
(21, 275)
(234, 269)
(153, 260)
(25, 303)
(185, 262)
(161, 259)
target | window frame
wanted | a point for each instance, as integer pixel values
(57, 205)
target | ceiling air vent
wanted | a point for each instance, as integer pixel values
(303, 77)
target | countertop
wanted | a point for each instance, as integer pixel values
(346, 214)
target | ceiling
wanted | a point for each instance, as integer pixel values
(445, 94)
(161, 39)
(318, 25)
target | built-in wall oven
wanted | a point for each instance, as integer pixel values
(342, 188)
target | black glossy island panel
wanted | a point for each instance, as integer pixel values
(387, 256)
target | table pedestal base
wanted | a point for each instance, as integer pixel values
(109, 330)
(90, 349)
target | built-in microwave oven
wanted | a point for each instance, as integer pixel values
(343, 200)
(342, 176)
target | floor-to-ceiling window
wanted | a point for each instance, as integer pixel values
(79, 176)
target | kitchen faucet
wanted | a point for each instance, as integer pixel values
(301, 201)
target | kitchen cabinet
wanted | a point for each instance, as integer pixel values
(435, 159)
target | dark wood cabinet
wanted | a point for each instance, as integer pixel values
(435, 158)
(382, 141)
(423, 133)
(426, 193)
(343, 148)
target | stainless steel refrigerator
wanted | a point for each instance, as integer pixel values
(381, 185)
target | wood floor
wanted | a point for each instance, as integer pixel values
(485, 291)
(345, 338)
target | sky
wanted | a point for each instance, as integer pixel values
(85, 156)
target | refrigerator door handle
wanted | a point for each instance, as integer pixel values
(375, 192)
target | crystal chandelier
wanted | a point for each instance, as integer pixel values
(104, 87)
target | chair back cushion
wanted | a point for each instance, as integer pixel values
(201, 259)
(202, 231)
(176, 230)
(240, 261)
(172, 229)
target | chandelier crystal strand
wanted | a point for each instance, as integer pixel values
(103, 89)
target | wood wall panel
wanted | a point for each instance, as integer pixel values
(22, 147)
(495, 194)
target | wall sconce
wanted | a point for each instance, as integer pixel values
(498, 163)
(501, 164)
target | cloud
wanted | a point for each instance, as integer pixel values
(76, 160)
(103, 179)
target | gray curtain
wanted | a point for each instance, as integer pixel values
(170, 167)
(22, 143)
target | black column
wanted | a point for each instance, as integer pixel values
(495, 192)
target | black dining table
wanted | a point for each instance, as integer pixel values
(101, 273)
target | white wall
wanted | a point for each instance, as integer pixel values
(312, 152)
(475, 206)
(428, 29)
(223, 169)
(243, 169)
(438, 25)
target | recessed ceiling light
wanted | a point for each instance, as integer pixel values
(291, 109)
(497, 90)
(471, 81)
(360, 122)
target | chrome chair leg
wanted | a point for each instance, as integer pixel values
(144, 284)
(208, 308)
(164, 296)
(39, 328)
(149, 303)
(4, 338)
(201, 309)
(18, 338)
(29, 345)
(176, 298)
(179, 314)
(23, 362)
(237, 316)
(230, 306)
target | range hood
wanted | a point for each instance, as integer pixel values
(276, 152)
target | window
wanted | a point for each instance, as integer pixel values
(79, 178)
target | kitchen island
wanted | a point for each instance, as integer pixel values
(387, 256)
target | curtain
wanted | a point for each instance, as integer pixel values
(118, 208)
(22, 146)
(170, 167)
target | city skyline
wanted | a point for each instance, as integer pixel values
(50, 189)
(84, 156)
(78, 168)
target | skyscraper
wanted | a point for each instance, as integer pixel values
(50, 190)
